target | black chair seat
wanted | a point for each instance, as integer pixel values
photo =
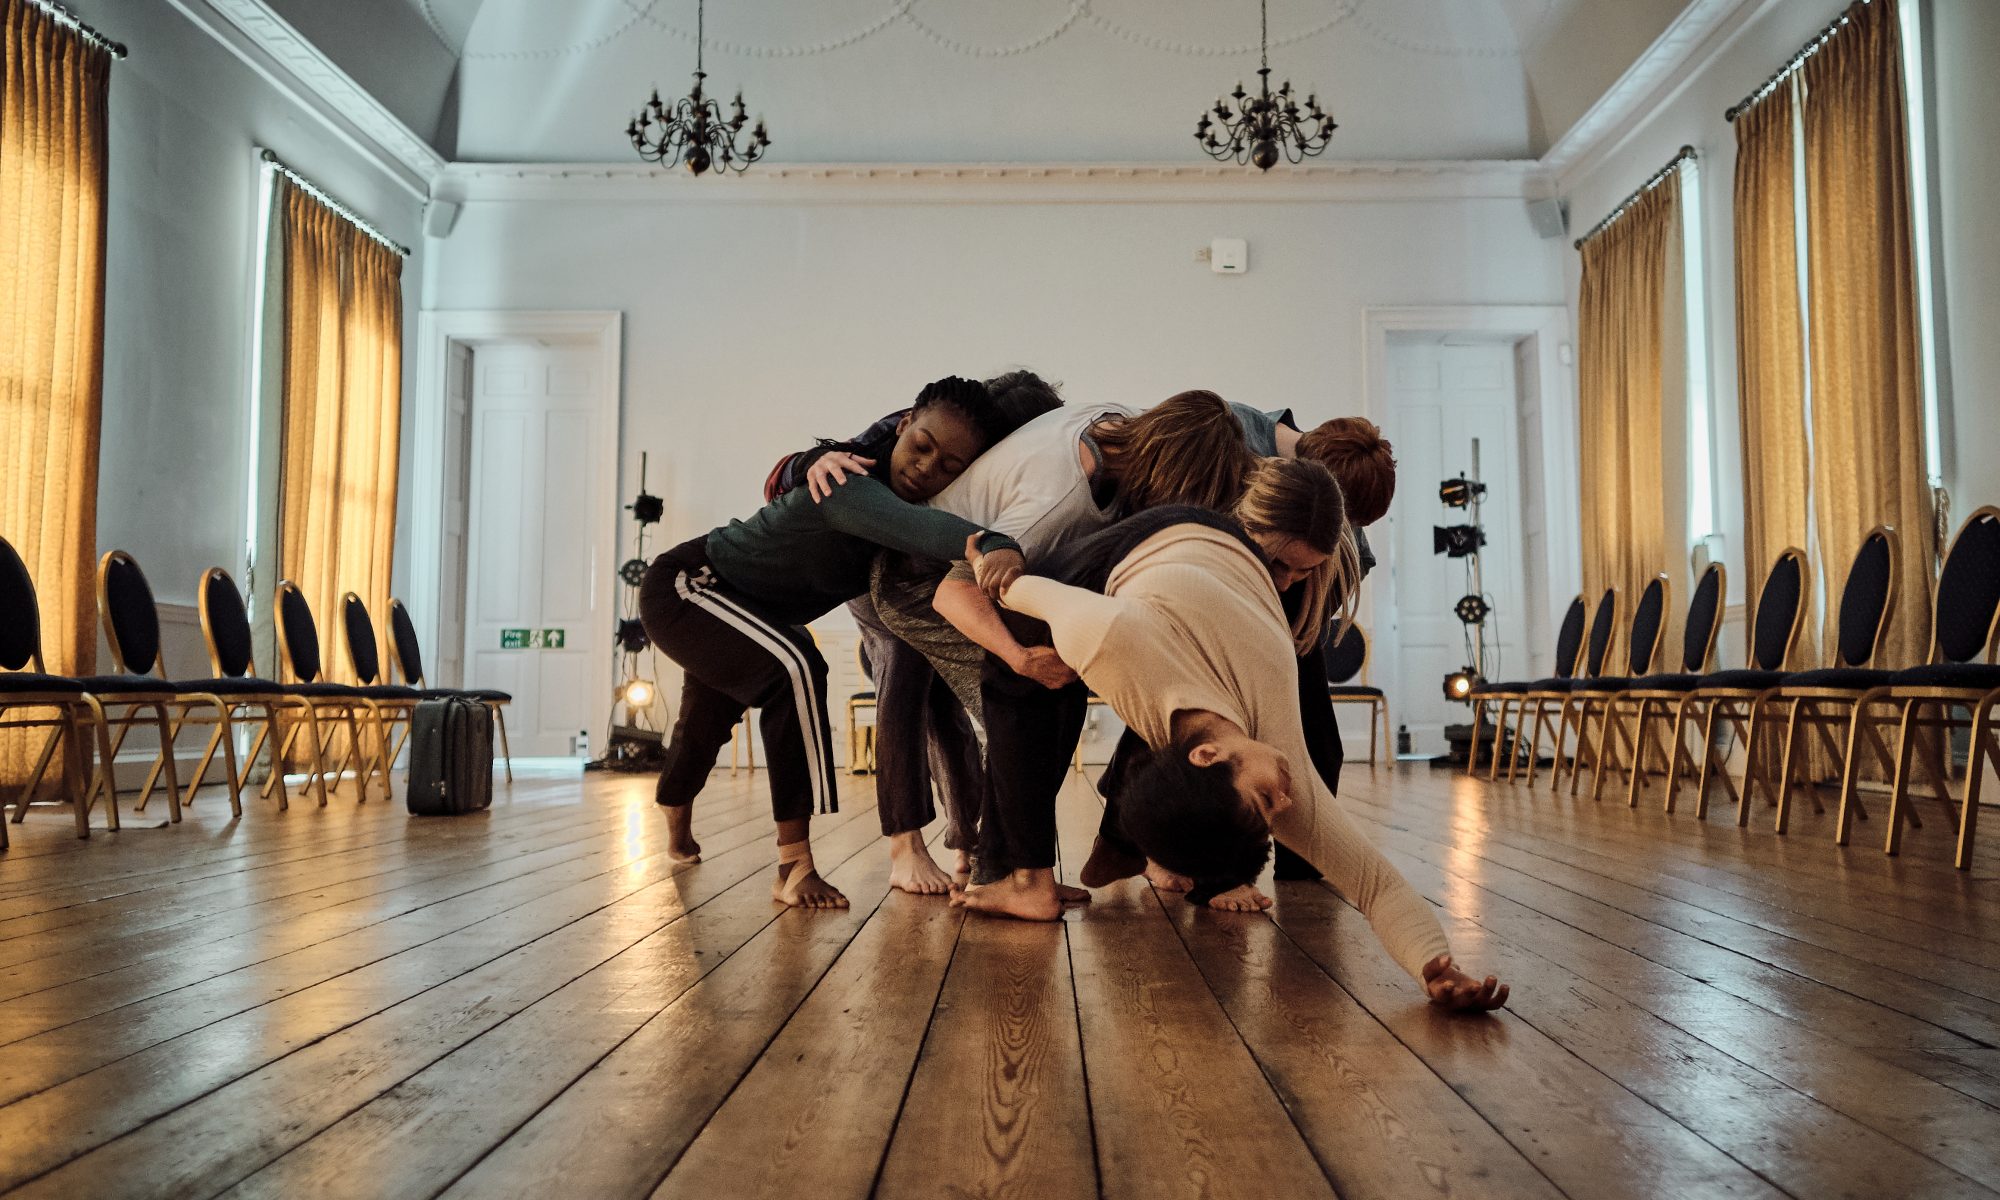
(1510, 688)
(1347, 689)
(127, 684)
(323, 690)
(232, 685)
(390, 691)
(1858, 679)
(862, 696)
(1982, 677)
(1552, 685)
(1666, 683)
(491, 695)
(21, 682)
(1603, 683)
(1744, 680)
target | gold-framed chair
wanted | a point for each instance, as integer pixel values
(1738, 697)
(1965, 622)
(225, 628)
(1659, 696)
(861, 739)
(299, 657)
(27, 688)
(1556, 691)
(390, 705)
(1599, 694)
(409, 656)
(1515, 694)
(1346, 659)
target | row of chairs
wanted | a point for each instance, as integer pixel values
(1856, 692)
(98, 711)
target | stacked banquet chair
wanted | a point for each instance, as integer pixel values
(1553, 697)
(26, 690)
(394, 705)
(1345, 660)
(1817, 701)
(225, 626)
(1735, 696)
(1512, 694)
(1658, 697)
(299, 655)
(1965, 624)
(409, 657)
(1595, 695)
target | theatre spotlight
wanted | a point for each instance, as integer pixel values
(1472, 608)
(648, 508)
(637, 693)
(633, 572)
(1457, 541)
(632, 635)
(1459, 684)
(1459, 492)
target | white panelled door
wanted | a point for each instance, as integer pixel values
(534, 603)
(1440, 398)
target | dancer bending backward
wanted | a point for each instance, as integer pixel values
(1188, 644)
(922, 734)
(731, 607)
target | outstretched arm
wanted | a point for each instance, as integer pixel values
(962, 603)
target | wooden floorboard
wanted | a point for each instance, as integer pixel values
(539, 1001)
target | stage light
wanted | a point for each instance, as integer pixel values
(1457, 541)
(1459, 684)
(1459, 492)
(1472, 608)
(637, 693)
(632, 635)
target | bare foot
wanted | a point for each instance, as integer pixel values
(681, 846)
(1072, 895)
(961, 868)
(911, 868)
(1028, 895)
(1451, 988)
(811, 892)
(1243, 898)
(1165, 880)
(1108, 864)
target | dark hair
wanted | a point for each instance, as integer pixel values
(1189, 819)
(1364, 462)
(970, 399)
(1021, 396)
(1187, 449)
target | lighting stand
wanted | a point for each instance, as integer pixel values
(636, 742)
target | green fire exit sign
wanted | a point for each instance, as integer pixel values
(531, 639)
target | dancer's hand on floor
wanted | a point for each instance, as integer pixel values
(1043, 665)
(832, 469)
(1453, 989)
(993, 572)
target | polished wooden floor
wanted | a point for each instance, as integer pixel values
(536, 1002)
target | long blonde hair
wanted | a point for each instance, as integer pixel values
(1188, 449)
(1299, 498)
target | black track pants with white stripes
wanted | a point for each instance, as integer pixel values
(735, 659)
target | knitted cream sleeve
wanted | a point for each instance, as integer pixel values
(1408, 927)
(1077, 619)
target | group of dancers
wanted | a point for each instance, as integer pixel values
(1007, 555)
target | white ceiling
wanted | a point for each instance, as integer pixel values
(984, 80)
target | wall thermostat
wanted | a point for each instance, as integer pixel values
(1229, 256)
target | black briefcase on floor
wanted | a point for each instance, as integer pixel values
(451, 757)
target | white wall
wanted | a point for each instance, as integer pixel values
(185, 116)
(1964, 39)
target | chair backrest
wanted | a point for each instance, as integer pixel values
(403, 645)
(225, 625)
(1346, 657)
(131, 618)
(1704, 619)
(1602, 626)
(298, 633)
(364, 654)
(1869, 598)
(1780, 612)
(20, 614)
(1649, 622)
(1569, 639)
(1968, 594)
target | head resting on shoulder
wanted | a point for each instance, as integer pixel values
(951, 422)
(1187, 449)
(1021, 396)
(1364, 462)
(1293, 509)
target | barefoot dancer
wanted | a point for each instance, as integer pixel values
(922, 734)
(1189, 646)
(730, 607)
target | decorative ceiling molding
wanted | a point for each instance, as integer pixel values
(1646, 84)
(274, 49)
(1009, 183)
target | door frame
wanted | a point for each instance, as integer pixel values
(1552, 392)
(437, 329)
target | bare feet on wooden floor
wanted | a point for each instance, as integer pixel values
(811, 892)
(1072, 895)
(1108, 864)
(1451, 988)
(681, 846)
(911, 867)
(961, 868)
(1026, 895)
(1242, 898)
(1165, 880)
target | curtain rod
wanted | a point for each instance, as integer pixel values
(70, 20)
(316, 192)
(1652, 181)
(1793, 63)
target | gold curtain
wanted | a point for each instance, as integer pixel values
(1620, 315)
(342, 415)
(1867, 405)
(1770, 348)
(52, 187)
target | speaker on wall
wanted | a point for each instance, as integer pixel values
(1549, 217)
(439, 217)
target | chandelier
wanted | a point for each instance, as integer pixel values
(693, 130)
(1265, 122)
